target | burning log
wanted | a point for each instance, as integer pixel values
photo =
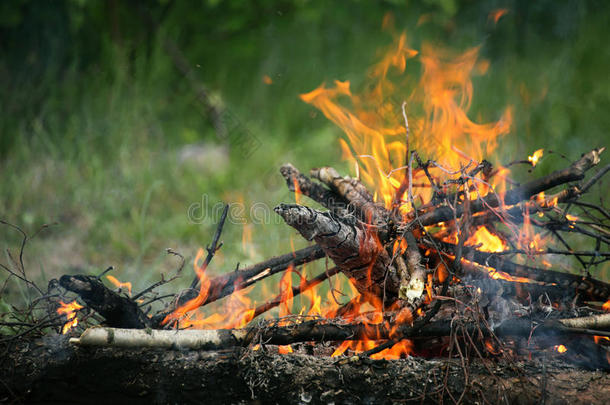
(328, 331)
(229, 283)
(118, 310)
(355, 250)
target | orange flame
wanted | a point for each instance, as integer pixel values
(70, 311)
(375, 127)
(399, 350)
(495, 15)
(204, 286)
(284, 349)
(119, 284)
(297, 191)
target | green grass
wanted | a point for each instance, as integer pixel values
(100, 157)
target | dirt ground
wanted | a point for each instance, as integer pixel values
(51, 370)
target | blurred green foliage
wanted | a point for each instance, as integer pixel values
(96, 116)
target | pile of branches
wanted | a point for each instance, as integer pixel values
(427, 286)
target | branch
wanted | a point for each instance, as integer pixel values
(119, 311)
(576, 171)
(213, 247)
(227, 284)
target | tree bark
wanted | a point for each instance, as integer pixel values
(356, 251)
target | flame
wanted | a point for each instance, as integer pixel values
(246, 241)
(237, 311)
(491, 347)
(204, 286)
(286, 291)
(400, 350)
(496, 14)
(606, 306)
(528, 238)
(561, 349)
(70, 311)
(297, 192)
(488, 242)
(267, 80)
(119, 284)
(533, 159)
(315, 300)
(284, 349)
(375, 127)
(500, 275)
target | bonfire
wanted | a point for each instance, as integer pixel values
(450, 252)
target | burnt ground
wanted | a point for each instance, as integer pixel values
(50, 370)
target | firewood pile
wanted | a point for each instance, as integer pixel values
(425, 284)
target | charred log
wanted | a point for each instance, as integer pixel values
(118, 311)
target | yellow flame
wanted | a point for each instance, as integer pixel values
(70, 311)
(533, 159)
(488, 241)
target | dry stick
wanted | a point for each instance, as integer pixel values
(550, 251)
(317, 192)
(317, 330)
(163, 280)
(20, 265)
(591, 288)
(309, 284)
(356, 251)
(227, 284)
(601, 321)
(515, 214)
(594, 179)
(356, 194)
(576, 171)
(499, 287)
(187, 295)
(213, 247)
